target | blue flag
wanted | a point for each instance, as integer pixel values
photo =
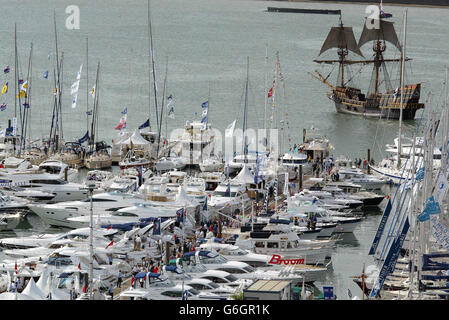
(46, 74)
(432, 207)
(125, 111)
(89, 113)
(205, 104)
(84, 138)
(145, 124)
(180, 215)
(204, 120)
(3, 107)
(420, 174)
(157, 227)
(26, 105)
(6, 70)
(381, 228)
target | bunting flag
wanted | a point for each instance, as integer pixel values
(20, 81)
(24, 86)
(79, 266)
(110, 244)
(85, 288)
(92, 92)
(157, 227)
(125, 111)
(205, 104)
(15, 268)
(46, 74)
(26, 105)
(89, 113)
(205, 205)
(432, 207)
(171, 111)
(84, 138)
(3, 107)
(180, 215)
(22, 94)
(75, 87)
(133, 280)
(6, 70)
(55, 91)
(270, 93)
(420, 174)
(5, 88)
(122, 123)
(145, 124)
(74, 99)
(204, 113)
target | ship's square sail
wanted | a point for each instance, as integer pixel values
(341, 37)
(385, 32)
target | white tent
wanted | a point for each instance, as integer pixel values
(136, 139)
(43, 283)
(33, 291)
(244, 176)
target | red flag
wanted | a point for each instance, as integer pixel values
(132, 282)
(270, 93)
(84, 288)
(79, 266)
(122, 124)
(15, 268)
(112, 242)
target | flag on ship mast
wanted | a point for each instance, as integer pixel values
(171, 111)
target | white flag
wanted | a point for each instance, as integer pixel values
(230, 129)
(78, 76)
(75, 97)
(440, 188)
(75, 87)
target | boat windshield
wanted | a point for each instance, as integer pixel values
(224, 194)
(231, 278)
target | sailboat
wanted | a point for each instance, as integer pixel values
(97, 156)
(374, 103)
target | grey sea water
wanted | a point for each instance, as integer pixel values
(204, 44)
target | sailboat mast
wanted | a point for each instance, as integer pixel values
(87, 84)
(402, 90)
(265, 91)
(245, 150)
(162, 107)
(15, 72)
(153, 71)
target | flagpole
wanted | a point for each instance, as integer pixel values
(91, 247)
(87, 83)
(153, 71)
(402, 91)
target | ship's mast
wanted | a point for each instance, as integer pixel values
(402, 90)
(378, 48)
(342, 53)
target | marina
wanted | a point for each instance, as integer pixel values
(199, 159)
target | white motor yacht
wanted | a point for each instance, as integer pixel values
(229, 197)
(58, 213)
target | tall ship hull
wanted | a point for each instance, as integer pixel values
(386, 106)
